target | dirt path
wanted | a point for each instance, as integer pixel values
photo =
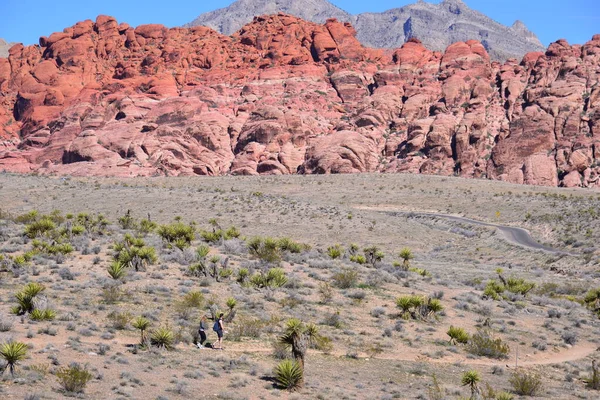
(519, 236)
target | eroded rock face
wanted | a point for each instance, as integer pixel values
(285, 96)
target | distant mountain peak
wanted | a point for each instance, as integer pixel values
(437, 25)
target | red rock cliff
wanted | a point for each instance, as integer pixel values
(284, 96)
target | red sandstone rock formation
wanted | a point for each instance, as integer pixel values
(283, 96)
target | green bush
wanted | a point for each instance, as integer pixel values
(42, 315)
(484, 344)
(335, 251)
(289, 375)
(119, 320)
(287, 244)
(73, 378)
(266, 249)
(373, 255)
(42, 227)
(25, 298)
(418, 307)
(526, 382)
(12, 353)
(53, 249)
(345, 279)
(358, 258)
(163, 338)
(177, 234)
(274, 278)
(133, 253)
(495, 289)
(458, 335)
(117, 270)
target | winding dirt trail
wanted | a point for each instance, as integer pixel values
(518, 236)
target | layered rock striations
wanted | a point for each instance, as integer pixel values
(284, 96)
(436, 25)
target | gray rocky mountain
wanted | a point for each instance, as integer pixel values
(436, 25)
(4, 48)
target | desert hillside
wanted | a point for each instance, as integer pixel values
(103, 282)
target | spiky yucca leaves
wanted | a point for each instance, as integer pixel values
(42, 315)
(163, 337)
(42, 227)
(177, 234)
(335, 251)
(592, 300)
(289, 375)
(471, 378)
(406, 255)
(458, 335)
(117, 270)
(26, 296)
(12, 353)
(414, 306)
(274, 278)
(133, 252)
(299, 336)
(142, 324)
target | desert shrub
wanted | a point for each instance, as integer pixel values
(526, 382)
(406, 255)
(274, 278)
(190, 301)
(217, 234)
(73, 378)
(420, 271)
(246, 327)
(266, 249)
(42, 315)
(119, 320)
(146, 226)
(41, 227)
(458, 335)
(28, 217)
(52, 249)
(496, 288)
(117, 270)
(484, 344)
(471, 378)
(325, 292)
(358, 258)
(127, 221)
(418, 307)
(162, 337)
(133, 252)
(335, 251)
(287, 244)
(142, 324)
(92, 224)
(592, 300)
(289, 375)
(345, 279)
(373, 255)
(25, 298)
(593, 381)
(177, 234)
(12, 353)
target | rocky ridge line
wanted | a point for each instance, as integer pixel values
(436, 25)
(286, 96)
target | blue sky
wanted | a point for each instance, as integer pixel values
(26, 20)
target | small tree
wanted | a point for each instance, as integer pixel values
(142, 324)
(299, 336)
(406, 255)
(373, 255)
(12, 353)
(471, 379)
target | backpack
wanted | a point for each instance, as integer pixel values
(216, 326)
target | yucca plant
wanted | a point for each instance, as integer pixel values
(25, 297)
(13, 352)
(42, 315)
(406, 255)
(163, 338)
(289, 375)
(177, 233)
(142, 324)
(242, 276)
(458, 335)
(274, 278)
(335, 251)
(471, 379)
(299, 336)
(42, 227)
(117, 270)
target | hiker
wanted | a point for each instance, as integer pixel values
(220, 329)
(202, 331)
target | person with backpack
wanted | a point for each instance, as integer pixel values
(202, 331)
(220, 329)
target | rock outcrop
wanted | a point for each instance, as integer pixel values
(4, 48)
(436, 25)
(284, 96)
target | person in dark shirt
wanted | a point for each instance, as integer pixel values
(202, 331)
